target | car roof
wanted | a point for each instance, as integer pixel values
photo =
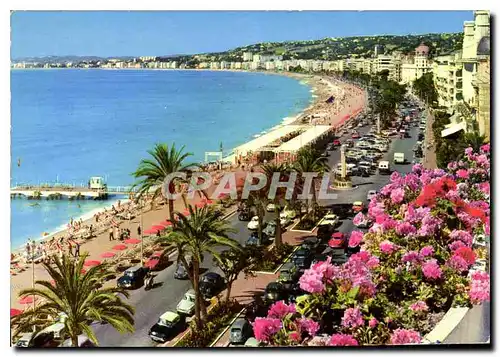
(240, 322)
(170, 316)
(212, 275)
(133, 269)
(287, 266)
(357, 203)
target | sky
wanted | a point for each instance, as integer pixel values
(146, 33)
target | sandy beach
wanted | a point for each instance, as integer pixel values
(348, 99)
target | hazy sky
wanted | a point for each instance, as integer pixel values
(146, 33)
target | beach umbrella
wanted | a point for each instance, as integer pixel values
(91, 263)
(26, 300)
(165, 223)
(132, 241)
(108, 255)
(186, 212)
(83, 271)
(15, 312)
(209, 202)
(157, 254)
(151, 231)
(120, 247)
(158, 227)
(200, 204)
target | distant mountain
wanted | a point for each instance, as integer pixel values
(75, 59)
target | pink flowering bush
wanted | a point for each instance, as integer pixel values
(412, 267)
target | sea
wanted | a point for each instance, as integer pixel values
(71, 124)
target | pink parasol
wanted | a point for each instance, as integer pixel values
(91, 263)
(120, 247)
(132, 241)
(201, 204)
(165, 223)
(108, 255)
(15, 312)
(157, 254)
(186, 212)
(26, 300)
(83, 271)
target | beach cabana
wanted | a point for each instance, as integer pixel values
(289, 149)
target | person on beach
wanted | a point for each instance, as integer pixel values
(77, 250)
(139, 230)
(111, 237)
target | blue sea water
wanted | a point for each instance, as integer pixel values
(69, 125)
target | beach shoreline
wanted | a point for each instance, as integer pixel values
(320, 91)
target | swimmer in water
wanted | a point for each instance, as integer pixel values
(18, 162)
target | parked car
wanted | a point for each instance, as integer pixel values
(270, 229)
(288, 212)
(371, 194)
(210, 284)
(331, 219)
(254, 223)
(187, 304)
(181, 272)
(253, 342)
(240, 331)
(338, 240)
(158, 261)
(311, 243)
(24, 340)
(168, 326)
(325, 231)
(336, 142)
(132, 278)
(302, 258)
(288, 274)
(355, 136)
(254, 239)
(284, 221)
(271, 207)
(245, 215)
(366, 223)
(274, 292)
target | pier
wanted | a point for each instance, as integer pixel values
(70, 191)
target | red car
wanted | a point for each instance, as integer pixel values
(355, 136)
(157, 261)
(338, 240)
(336, 142)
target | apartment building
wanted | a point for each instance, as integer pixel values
(418, 66)
(447, 75)
(247, 56)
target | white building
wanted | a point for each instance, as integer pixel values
(247, 56)
(447, 75)
(418, 67)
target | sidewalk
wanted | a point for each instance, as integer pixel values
(244, 289)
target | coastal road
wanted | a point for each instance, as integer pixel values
(151, 304)
(374, 182)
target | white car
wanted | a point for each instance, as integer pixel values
(371, 194)
(366, 223)
(187, 304)
(271, 207)
(254, 223)
(331, 219)
(284, 221)
(288, 213)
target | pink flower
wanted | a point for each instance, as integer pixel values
(455, 245)
(405, 229)
(484, 187)
(397, 195)
(294, 336)
(479, 289)
(388, 247)
(395, 177)
(352, 318)
(417, 168)
(463, 236)
(468, 151)
(411, 257)
(426, 251)
(485, 148)
(279, 310)
(308, 325)
(404, 337)
(265, 328)
(457, 263)
(431, 269)
(326, 269)
(372, 323)
(355, 239)
(419, 306)
(429, 226)
(463, 174)
(312, 282)
(358, 219)
(341, 339)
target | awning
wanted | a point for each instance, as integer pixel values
(303, 139)
(455, 128)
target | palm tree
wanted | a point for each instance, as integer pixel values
(79, 297)
(269, 170)
(153, 172)
(474, 140)
(310, 160)
(202, 232)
